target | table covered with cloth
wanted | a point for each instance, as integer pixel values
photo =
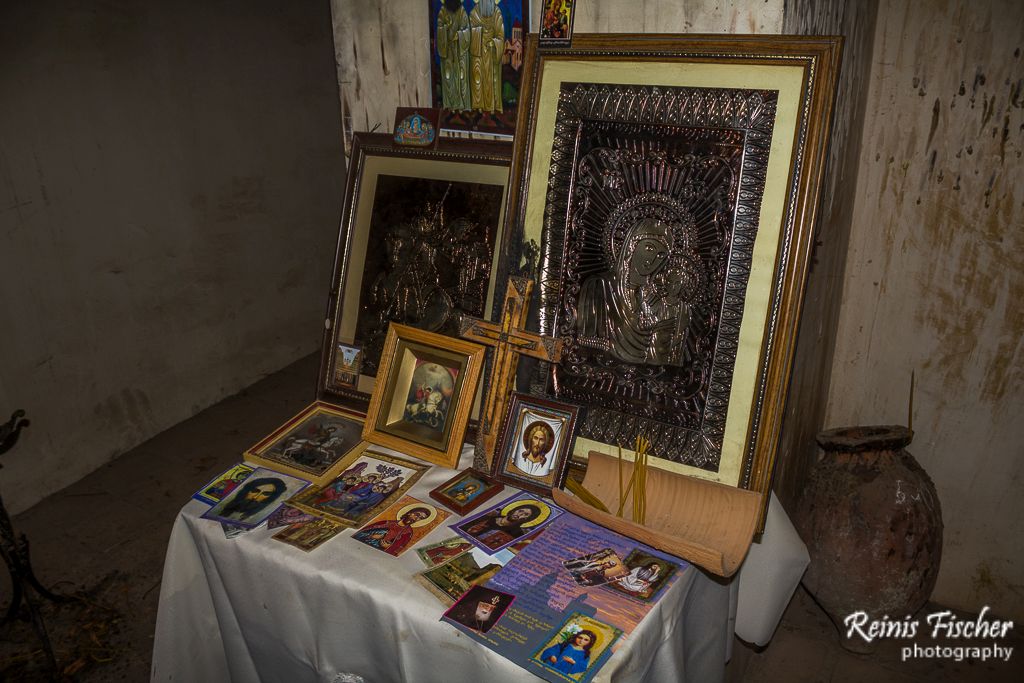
(255, 609)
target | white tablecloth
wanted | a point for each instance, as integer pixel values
(255, 609)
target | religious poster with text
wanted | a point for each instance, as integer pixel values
(564, 604)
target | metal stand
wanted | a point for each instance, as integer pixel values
(14, 548)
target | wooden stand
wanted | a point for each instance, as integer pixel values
(703, 522)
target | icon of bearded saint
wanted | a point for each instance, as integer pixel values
(538, 440)
(253, 498)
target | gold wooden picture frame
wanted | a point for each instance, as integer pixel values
(709, 152)
(312, 445)
(424, 394)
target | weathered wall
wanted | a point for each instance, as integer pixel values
(170, 185)
(935, 278)
(805, 409)
(383, 49)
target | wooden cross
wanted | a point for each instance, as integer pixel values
(509, 341)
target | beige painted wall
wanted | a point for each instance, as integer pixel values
(382, 49)
(170, 185)
(935, 277)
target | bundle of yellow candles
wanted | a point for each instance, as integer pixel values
(583, 494)
(637, 482)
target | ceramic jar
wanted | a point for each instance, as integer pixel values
(871, 520)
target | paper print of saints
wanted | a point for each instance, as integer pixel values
(471, 47)
(453, 49)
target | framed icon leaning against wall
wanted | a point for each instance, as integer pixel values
(416, 246)
(671, 183)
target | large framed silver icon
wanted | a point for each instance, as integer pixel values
(669, 186)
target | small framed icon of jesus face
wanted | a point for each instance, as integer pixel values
(536, 441)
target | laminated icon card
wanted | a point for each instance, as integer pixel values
(503, 525)
(286, 515)
(249, 505)
(309, 535)
(449, 580)
(443, 551)
(401, 526)
(370, 482)
(577, 590)
(225, 482)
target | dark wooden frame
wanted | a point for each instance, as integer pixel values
(493, 489)
(508, 443)
(818, 58)
(365, 147)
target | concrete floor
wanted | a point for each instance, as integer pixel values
(104, 539)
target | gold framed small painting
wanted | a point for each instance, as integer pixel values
(424, 394)
(310, 445)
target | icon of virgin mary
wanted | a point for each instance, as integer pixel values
(622, 311)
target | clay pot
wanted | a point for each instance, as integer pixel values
(871, 520)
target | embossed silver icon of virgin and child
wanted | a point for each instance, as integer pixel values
(638, 310)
